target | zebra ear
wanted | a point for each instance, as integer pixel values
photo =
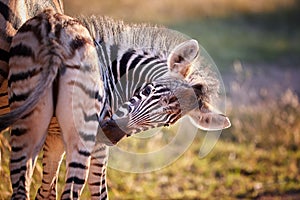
(182, 56)
(209, 119)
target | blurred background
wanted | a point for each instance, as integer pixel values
(256, 46)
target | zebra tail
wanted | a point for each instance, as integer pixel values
(31, 102)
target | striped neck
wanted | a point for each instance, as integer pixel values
(130, 55)
(124, 71)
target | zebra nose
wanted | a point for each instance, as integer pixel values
(112, 131)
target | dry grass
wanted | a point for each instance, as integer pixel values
(264, 112)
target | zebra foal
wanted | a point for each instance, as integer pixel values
(73, 69)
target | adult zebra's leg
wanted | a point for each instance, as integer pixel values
(80, 100)
(77, 113)
(97, 173)
(78, 150)
(52, 157)
(27, 137)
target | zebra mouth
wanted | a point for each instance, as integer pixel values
(112, 131)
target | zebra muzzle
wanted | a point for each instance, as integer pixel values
(112, 131)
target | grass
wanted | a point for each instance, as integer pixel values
(249, 38)
(229, 171)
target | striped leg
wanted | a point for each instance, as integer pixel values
(28, 134)
(78, 149)
(4, 106)
(27, 137)
(45, 43)
(104, 191)
(97, 173)
(79, 102)
(53, 155)
(77, 115)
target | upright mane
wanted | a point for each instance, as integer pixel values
(132, 35)
(152, 37)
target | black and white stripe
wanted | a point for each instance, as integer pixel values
(82, 78)
(12, 15)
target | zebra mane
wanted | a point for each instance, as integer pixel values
(35, 7)
(137, 36)
(146, 36)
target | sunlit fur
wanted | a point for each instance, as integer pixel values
(127, 56)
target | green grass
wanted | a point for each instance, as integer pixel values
(248, 38)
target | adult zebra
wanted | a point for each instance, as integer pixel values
(75, 74)
(13, 13)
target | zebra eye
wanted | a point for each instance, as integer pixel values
(129, 109)
(132, 100)
(146, 91)
(172, 99)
